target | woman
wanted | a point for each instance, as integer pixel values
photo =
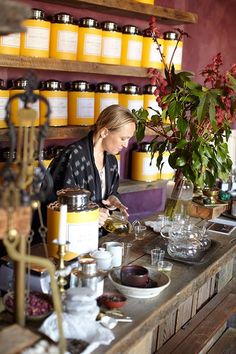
(90, 163)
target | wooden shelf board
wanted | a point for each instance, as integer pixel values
(131, 8)
(52, 64)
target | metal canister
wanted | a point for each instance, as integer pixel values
(111, 43)
(132, 44)
(171, 38)
(64, 37)
(131, 96)
(57, 97)
(82, 222)
(10, 44)
(105, 95)
(81, 102)
(19, 86)
(4, 96)
(151, 56)
(149, 100)
(90, 40)
(143, 168)
(35, 41)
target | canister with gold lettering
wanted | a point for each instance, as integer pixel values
(64, 37)
(151, 55)
(19, 86)
(4, 96)
(90, 40)
(35, 41)
(132, 44)
(105, 95)
(171, 39)
(81, 101)
(54, 91)
(131, 96)
(111, 43)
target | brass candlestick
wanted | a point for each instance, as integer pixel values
(62, 269)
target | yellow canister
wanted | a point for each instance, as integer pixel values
(150, 2)
(118, 162)
(82, 222)
(167, 171)
(81, 101)
(105, 96)
(4, 96)
(90, 40)
(57, 97)
(35, 41)
(10, 44)
(64, 37)
(111, 43)
(131, 96)
(151, 56)
(132, 44)
(149, 100)
(19, 86)
(143, 168)
(170, 39)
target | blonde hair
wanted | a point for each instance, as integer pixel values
(114, 117)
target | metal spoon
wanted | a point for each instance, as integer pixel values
(110, 322)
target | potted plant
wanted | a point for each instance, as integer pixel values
(200, 118)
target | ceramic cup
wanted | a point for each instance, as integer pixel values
(116, 250)
(134, 275)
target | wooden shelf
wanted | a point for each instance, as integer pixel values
(52, 64)
(131, 8)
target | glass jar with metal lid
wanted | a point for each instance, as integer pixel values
(82, 221)
(132, 44)
(81, 102)
(19, 86)
(4, 96)
(64, 37)
(131, 96)
(54, 91)
(90, 40)
(111, 43)
(171, 38)
(151, 57)
(35, 41)
(105, 95)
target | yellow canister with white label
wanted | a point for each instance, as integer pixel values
(4, 96)
(58, 100)
(105, 96)
(81, 101)
(150, 2)
(151, 55)
(171, 38)
(131, 96)
(10, 44)
(64, 37)
(132, 44)
(143, 168)
(90, 40)
(19, 86)
(35, 41)
(111, 43)
(82, 222)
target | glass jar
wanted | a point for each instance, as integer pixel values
(118, 223)
(81, 102)
(57, 97)
(105, 96)
(90, 40)
(64, 37)
(131, 96)
(35, 41)
(132, 45)
(151, 57)
(111, 43)
(171, 38)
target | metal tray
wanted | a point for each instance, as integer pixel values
(201, 258)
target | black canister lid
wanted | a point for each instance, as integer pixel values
(110, 26)
(63, 17)
(105, 87)
(79, 85)
(144, 147)
(20, 84)
(75, 198)
(52, 85)
(171, 35)
(131, 29)
(38, 14)
(147, 32)
(2, 84)
(88, 22)
(149, 89)
(131, 89)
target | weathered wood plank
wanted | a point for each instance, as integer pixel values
(166, 329)
(226, 344)
(203, 294)
(214, 339)
(225, 275)
(184, 313)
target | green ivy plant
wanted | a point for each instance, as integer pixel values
(199, 119)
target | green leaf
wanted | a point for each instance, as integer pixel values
(182, 125)
(181, 144)
(202, 107)
(180, 161)
(174, 109)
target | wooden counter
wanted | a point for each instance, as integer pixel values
(155, 320)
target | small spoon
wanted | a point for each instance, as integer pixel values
(110, 322)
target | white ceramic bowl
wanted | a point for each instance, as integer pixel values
(162, 282)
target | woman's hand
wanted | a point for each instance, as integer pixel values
(112, 202)
(103, 215)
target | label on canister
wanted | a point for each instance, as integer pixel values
(64, 41)
(4, 96)
(10, 44)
